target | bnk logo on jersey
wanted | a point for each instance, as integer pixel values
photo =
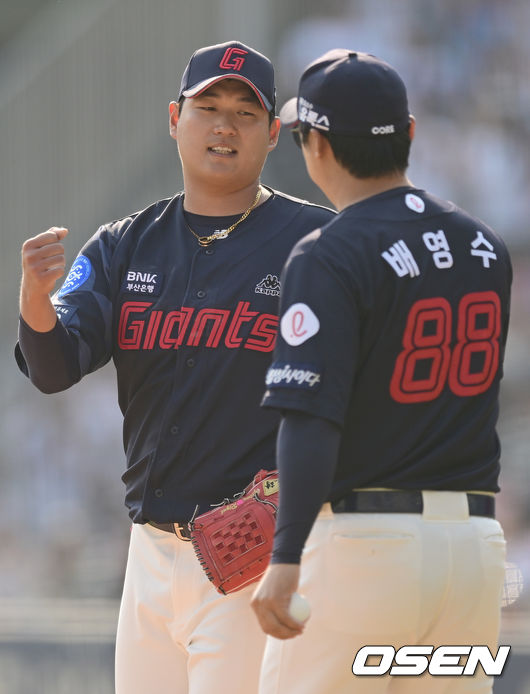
(413, 661)
(141, 282)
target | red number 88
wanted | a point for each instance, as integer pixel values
(434, 347)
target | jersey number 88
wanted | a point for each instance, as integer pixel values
(428, 361)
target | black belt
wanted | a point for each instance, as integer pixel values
(179, 528)
(404, 501)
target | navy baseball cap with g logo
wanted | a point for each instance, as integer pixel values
(231, 60)
(349, 93)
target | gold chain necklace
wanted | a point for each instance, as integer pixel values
(206, 240)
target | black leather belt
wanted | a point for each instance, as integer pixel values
(179, 528)
(404, 501)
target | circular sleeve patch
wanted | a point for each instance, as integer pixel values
(298, 324)
(78, 275)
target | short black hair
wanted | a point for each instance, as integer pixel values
(368, 157)
(272, 114)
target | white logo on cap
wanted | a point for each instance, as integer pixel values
(414, 203)
(382, 129)
(308, 114)
(298, 324)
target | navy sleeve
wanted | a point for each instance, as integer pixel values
(52, 365)
(81, 340)
(316, 352)
(307, 453)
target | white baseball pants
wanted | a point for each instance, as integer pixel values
(176, 634)
(392, 579)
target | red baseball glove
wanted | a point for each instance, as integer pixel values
(233, 541)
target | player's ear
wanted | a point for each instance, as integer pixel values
(274, 133)
(412, 127)
(174, 111)
(318, 144)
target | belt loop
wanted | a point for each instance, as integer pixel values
(445, 505)
(326, 511)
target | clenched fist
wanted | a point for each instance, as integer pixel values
(43, 262)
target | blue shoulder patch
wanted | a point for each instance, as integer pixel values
(78, 275)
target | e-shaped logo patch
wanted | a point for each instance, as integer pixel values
(298, 324)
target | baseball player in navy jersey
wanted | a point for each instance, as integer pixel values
(394, 318)
(183, 297)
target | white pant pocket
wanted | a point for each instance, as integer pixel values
(372, 584)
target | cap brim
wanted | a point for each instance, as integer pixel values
(289, 113)
(202, 86)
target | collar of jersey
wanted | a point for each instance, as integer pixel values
(209, 224)
(206, 223)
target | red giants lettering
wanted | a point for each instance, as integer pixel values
(140, 329)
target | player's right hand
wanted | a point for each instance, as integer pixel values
(271, 599)
(43, 261)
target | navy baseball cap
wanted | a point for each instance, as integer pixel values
(230, 60)
(349, 93)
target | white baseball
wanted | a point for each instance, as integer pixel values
(299, 608)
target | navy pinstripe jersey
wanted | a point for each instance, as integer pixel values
(191, 332)
(394, 320)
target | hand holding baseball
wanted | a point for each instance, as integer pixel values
(299, 608)
(281, 612)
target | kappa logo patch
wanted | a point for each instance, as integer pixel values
(269, 285)
(142, 282)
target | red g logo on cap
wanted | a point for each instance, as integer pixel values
(232, 59)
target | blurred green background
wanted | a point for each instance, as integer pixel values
(84, 89)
